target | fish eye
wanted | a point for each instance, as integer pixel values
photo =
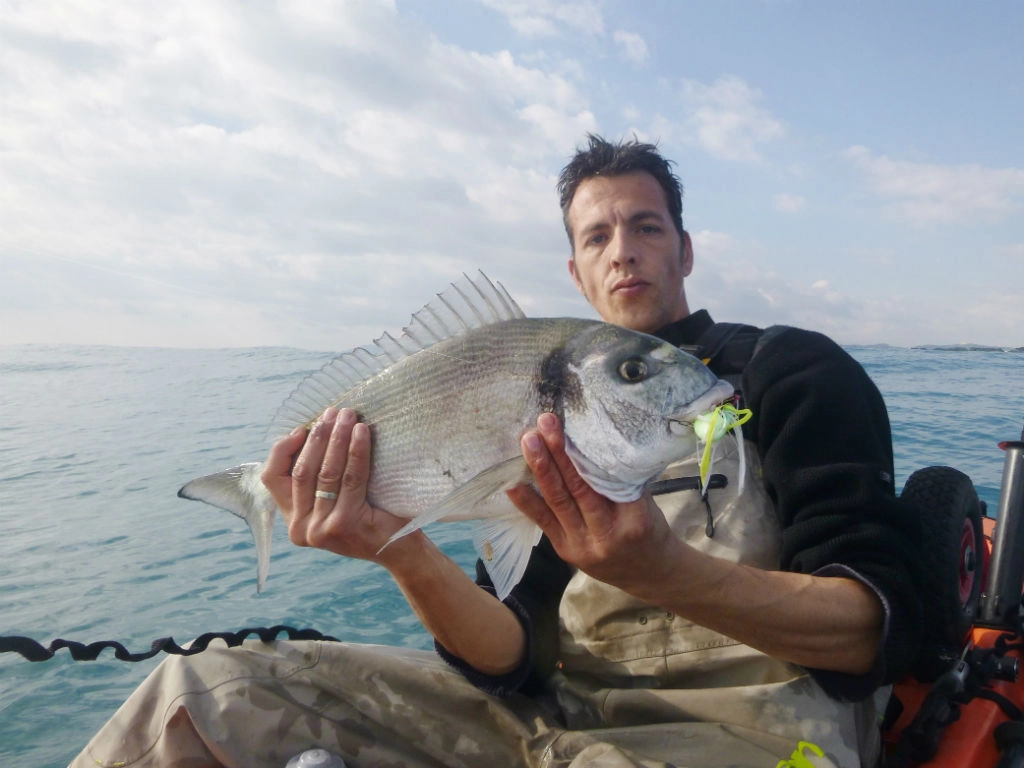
(633, 370)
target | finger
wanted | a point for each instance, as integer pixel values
(277, 469)
(550, 429)
(336, 455)
(307, 466)
(532, 504)
(356, 477)
(550, 482)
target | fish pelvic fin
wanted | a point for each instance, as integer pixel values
(467, 304)
(240, 491)
(504, 542)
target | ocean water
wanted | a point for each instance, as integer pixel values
(95, 544)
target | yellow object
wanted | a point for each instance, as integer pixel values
(798, 759)
(712, 426)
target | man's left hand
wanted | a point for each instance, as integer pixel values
(627, 544)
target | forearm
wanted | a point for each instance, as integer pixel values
(468, 621)
(830, 623)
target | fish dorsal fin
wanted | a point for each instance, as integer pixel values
(467, 304)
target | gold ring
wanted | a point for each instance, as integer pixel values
(326, 495)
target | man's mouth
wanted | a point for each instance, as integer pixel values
(628, 284)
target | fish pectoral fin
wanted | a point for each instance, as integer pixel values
(467, 496)
(504, 545)
(241, 492)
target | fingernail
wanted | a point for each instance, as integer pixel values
(347, 416)
(547, 421)
(531, 442)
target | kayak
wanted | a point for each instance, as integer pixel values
(963, 703)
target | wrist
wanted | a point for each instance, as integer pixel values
(406, 556)
(682, 578)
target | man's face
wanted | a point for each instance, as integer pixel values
(629, 260)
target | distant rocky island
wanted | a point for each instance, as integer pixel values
(967, 348)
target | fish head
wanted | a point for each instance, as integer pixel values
(630, 406)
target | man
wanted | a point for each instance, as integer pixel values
(639, 636)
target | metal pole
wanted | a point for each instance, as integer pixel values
(1001, 600)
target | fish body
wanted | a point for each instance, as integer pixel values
(448, 400)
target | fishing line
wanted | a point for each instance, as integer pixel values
(34, 651)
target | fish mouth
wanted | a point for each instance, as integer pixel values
(682, 423)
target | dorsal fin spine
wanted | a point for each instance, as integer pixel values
(509, 303)
(387, 345)
(454, 312)
(419, 322)
(486, 298)
(445, 330)
(409, 332)
(480, 318)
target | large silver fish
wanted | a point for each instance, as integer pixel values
(448, 400)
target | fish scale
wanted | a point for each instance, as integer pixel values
(435, 428)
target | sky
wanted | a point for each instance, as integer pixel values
(308, 173)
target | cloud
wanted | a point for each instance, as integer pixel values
(933, 193)
(632, 46)
(268, 163)
(726, 119)
(738, 280)
(1014, 252)
(788, 203)
(545, 18)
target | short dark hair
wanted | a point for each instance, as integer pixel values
(604, 158)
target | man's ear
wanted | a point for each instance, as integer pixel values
(575, 277)
(687, 247)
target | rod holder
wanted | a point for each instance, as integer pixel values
(1001, 598)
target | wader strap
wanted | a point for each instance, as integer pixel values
(685, 484)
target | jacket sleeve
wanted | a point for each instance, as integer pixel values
(825, 445)
(534, 601)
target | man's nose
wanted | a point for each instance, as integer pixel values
(621, 250)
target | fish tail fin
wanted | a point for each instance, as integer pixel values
(240, 491)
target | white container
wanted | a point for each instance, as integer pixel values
(316, 758)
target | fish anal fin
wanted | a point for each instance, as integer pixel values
(504, 545)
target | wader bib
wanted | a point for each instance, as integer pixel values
(625, 664)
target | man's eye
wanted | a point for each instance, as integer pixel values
(597, 239)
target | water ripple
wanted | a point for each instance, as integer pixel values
(96, 442)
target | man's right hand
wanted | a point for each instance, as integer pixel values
(333, 458)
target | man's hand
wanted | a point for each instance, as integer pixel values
(631, 546)
(627, 544)
(334, 459)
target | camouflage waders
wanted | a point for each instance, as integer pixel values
(637, 687)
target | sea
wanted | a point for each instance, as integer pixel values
(95, 544)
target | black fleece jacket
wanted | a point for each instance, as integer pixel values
(822, 433)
